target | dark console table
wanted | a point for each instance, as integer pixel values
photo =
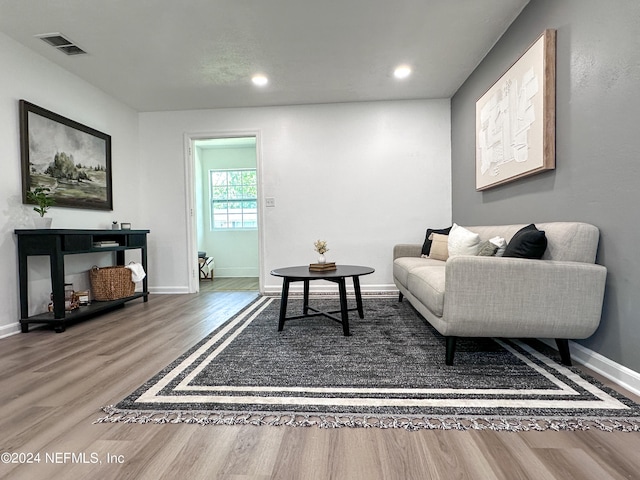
(56, 243)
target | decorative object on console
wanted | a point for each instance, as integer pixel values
(76, 166)
(41, 196)
(515, 118)
(70, 299)
(125, 226)
(114, 225)
(111, 283)
(105, 243)
(83, 298)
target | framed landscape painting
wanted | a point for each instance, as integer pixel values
(71, 159)
(515, 118)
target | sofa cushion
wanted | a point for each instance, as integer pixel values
(439, 247)
(426, 246)
(528, 242)
(463, 241)
(427, 285)
(403, 265)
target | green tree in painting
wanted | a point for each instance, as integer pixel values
(63, 168)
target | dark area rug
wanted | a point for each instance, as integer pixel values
(390, 373)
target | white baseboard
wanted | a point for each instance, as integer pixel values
(619, 374)
(8, 330)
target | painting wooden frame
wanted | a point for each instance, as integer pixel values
(71, 159)
(515, 118)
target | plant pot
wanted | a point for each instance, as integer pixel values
(41, 222)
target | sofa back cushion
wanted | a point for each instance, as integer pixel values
(566, 241)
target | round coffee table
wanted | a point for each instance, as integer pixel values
(339, 276)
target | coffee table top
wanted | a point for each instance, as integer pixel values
(304, 272)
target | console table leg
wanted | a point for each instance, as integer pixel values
(56, 261)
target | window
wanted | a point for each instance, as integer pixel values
(234, 199)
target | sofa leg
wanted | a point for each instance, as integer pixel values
(451, 350)
(563, 348)
(400, 296)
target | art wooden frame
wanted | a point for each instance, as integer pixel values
(71, 159)
(515, 118)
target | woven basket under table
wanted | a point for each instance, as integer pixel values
(111, 283)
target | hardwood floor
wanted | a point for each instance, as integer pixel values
(52, 387)
(229, 284)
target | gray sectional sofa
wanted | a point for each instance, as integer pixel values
(558, 296)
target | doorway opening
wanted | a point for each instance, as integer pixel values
(225, 213)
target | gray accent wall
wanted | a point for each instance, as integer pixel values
(597, 175)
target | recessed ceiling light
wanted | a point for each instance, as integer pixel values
(403, 71)
(259, 80)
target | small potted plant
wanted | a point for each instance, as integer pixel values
(320, 246)
(41, 196)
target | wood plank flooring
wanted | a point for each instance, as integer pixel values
(229, 284)
(52, 387)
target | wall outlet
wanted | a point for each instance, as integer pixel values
(270, 201)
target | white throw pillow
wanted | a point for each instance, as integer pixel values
(501, 243)
(463, 241)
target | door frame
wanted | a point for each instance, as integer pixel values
(190, 201)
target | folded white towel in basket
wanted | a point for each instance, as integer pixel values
(137, 272)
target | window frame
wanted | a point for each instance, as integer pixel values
(241, 199)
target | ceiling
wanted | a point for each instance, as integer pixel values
(156, 55)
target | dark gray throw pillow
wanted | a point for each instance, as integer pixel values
(426, 246)
(528, 242)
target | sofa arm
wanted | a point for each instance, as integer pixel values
(514, 297)
(407, 250)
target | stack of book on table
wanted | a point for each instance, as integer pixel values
(106, 243)
(322, 267)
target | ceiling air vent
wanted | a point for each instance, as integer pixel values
(60, 42)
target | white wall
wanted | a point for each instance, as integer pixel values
(26, 75)
(362, 176)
